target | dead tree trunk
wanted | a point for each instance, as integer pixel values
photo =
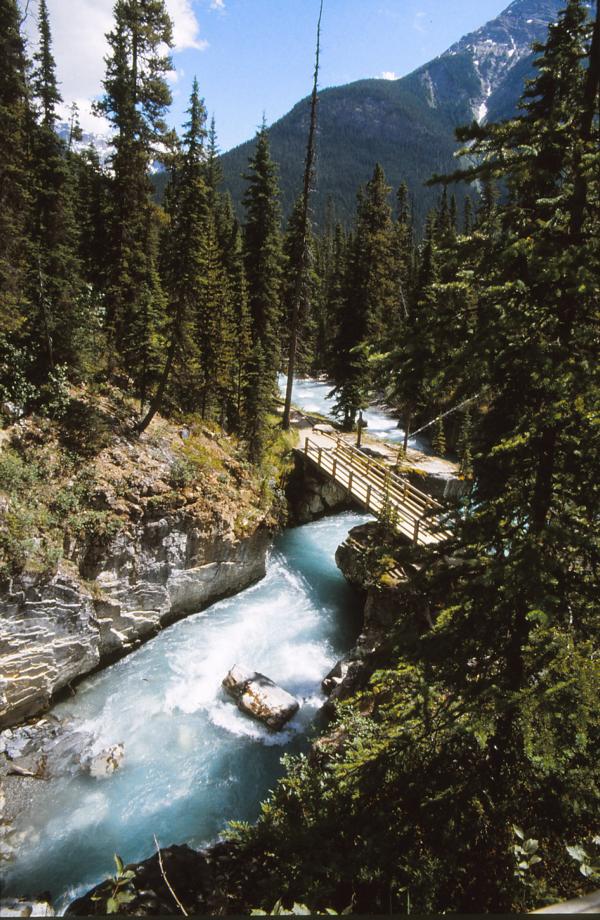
(301, 268)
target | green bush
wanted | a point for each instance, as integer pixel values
(183, 473)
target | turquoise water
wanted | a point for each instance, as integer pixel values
(192, 760)
(312, 396)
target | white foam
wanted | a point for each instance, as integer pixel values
(192, 759)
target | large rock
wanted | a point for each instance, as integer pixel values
(55, 629)
(106, 762)
(260, 697)
(445, 485)
(312, 494)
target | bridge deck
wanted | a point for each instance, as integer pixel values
(414, 514)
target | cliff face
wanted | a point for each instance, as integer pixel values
(311, 494)
(167, 526)
(54, 630)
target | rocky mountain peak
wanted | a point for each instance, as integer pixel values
(502, 43)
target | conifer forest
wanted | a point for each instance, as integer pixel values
(154, 330)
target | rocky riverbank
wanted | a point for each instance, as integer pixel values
(142, 533)
(311, 494)
(220, 879)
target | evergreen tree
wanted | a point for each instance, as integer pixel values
(54, 270)
(262, 262)
(135, 100)
(258, 394)
(44, 83)
(184, 266)
(530, 544)
(213, 171)
(241, 333)
(298, 289)
(368, 315)
(301, 250)
(404, 254)
(15, 181)
(214, 332)
(262, 251)
(334, 291)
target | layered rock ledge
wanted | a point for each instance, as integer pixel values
(172, 548)
(55, 630)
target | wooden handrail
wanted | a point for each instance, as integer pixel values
(377, 487)
(407, 494)
(373, 464)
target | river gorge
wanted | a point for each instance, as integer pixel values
(191, 761)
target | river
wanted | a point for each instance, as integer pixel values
(192, 760)
(312, 395)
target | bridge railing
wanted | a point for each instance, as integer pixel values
(381, 491)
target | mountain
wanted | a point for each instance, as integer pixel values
(407, 125)
(88, 139)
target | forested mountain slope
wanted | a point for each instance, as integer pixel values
(407, 125)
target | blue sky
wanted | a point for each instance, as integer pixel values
(255, 56)
(260, 52)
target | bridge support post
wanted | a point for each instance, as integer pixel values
(416, 533)
(306, 446)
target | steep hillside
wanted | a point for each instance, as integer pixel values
(407, 125)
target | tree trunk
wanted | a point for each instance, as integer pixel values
(158, 396)
(302, 266)
(407, 421)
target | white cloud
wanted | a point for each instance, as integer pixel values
(186, 28)
(79, 45)
(388, 75)
(418, 22)
(94, 124)
(174, 76)
(217, 4)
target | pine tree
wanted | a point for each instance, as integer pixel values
(54, 271)
(241, 333)
(530, 543)
(135, 100)
(464, 445)
(213, 171)
(404, 254)
(184, 262)
(262, 262)
(298, 288)
(15, 164)
(257, 397)
(334, 298)
(301, 250)
(262, 251)
(371, 299)
(214, 333)
(45, 87)
(439, 438)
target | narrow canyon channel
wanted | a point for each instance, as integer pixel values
(192, 760)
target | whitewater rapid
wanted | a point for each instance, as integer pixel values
(192, 760)
(312, 395)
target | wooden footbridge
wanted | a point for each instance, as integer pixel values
(414, 514)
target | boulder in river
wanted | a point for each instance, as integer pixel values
(106, 762)
(260, 697)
